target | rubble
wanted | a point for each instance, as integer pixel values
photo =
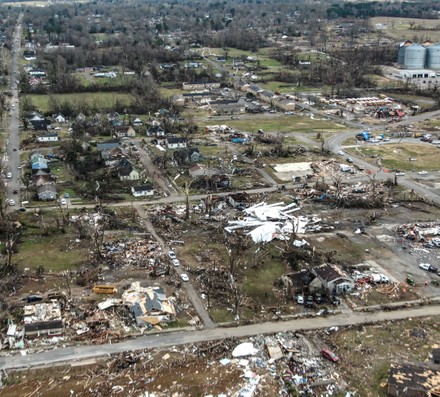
(149, 305)
(269, 221)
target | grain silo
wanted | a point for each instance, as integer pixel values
(433, 56)
(415, 57)
(401, 55)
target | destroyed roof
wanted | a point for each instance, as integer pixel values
(436, 355)
(328, 272)
(43, 326)
(417, 376)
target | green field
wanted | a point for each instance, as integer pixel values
(103, 100)
(282, 123)
(397, 156)
(401, 29)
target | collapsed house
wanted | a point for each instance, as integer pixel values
(43, 319)
(417, 379)
(266, 222)
(149, 305)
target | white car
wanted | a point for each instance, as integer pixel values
(425, 266)
(400, 173)
(172, 255)
(422, 172)
(175, 262)
(11, 202)
(341, 153)
(184, 277)
(9, 175)
(300, 300)
(63, 201)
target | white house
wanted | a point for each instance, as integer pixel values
(59, 118)
(176, 143)
(142, 190)
(51, 137)
(128, 174)
(137, 122)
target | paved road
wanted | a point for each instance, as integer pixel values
(334, 145)
(70, 354)
(13, 143)
(188, 286)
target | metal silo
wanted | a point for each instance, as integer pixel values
(433, 56)
(415, 57)
(401, 53)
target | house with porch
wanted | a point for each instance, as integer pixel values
(332, 279)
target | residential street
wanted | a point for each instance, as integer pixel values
(13, 144)
(71, 354)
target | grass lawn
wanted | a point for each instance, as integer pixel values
(259, 281)
(56, 252)
(400, 28)
(396, 156)
(282, 123)
(423, 102)
(104, 100)
(170, 89)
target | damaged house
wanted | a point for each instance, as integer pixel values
(331, 279)
(417, 379)
(187, 156)
(43, 319)
(148, 305)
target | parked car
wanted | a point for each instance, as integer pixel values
(341, 153)
(34, 298)
(309, 302)
(319, 298)
(11, 202)
(422, 172)
(425, 266)
(9, 175)
(63, 201)
(300, 299)
(336, 301)
(329, 355)
(433, 269)
(436, 241)
(349, 160)
(172, 255)
(175, 262)
(400, 173)
(184, 277)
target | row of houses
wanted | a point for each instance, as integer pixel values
(42, 178)
(283, 102)
(117, 158)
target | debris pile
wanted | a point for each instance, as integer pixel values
(150, 306)
(270, 221)
(145, 253)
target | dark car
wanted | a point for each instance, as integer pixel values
(309, 302)
(34, 298)
(15, 191)
(329, 355)
(433, 269)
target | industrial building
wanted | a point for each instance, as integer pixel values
(419, 56)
